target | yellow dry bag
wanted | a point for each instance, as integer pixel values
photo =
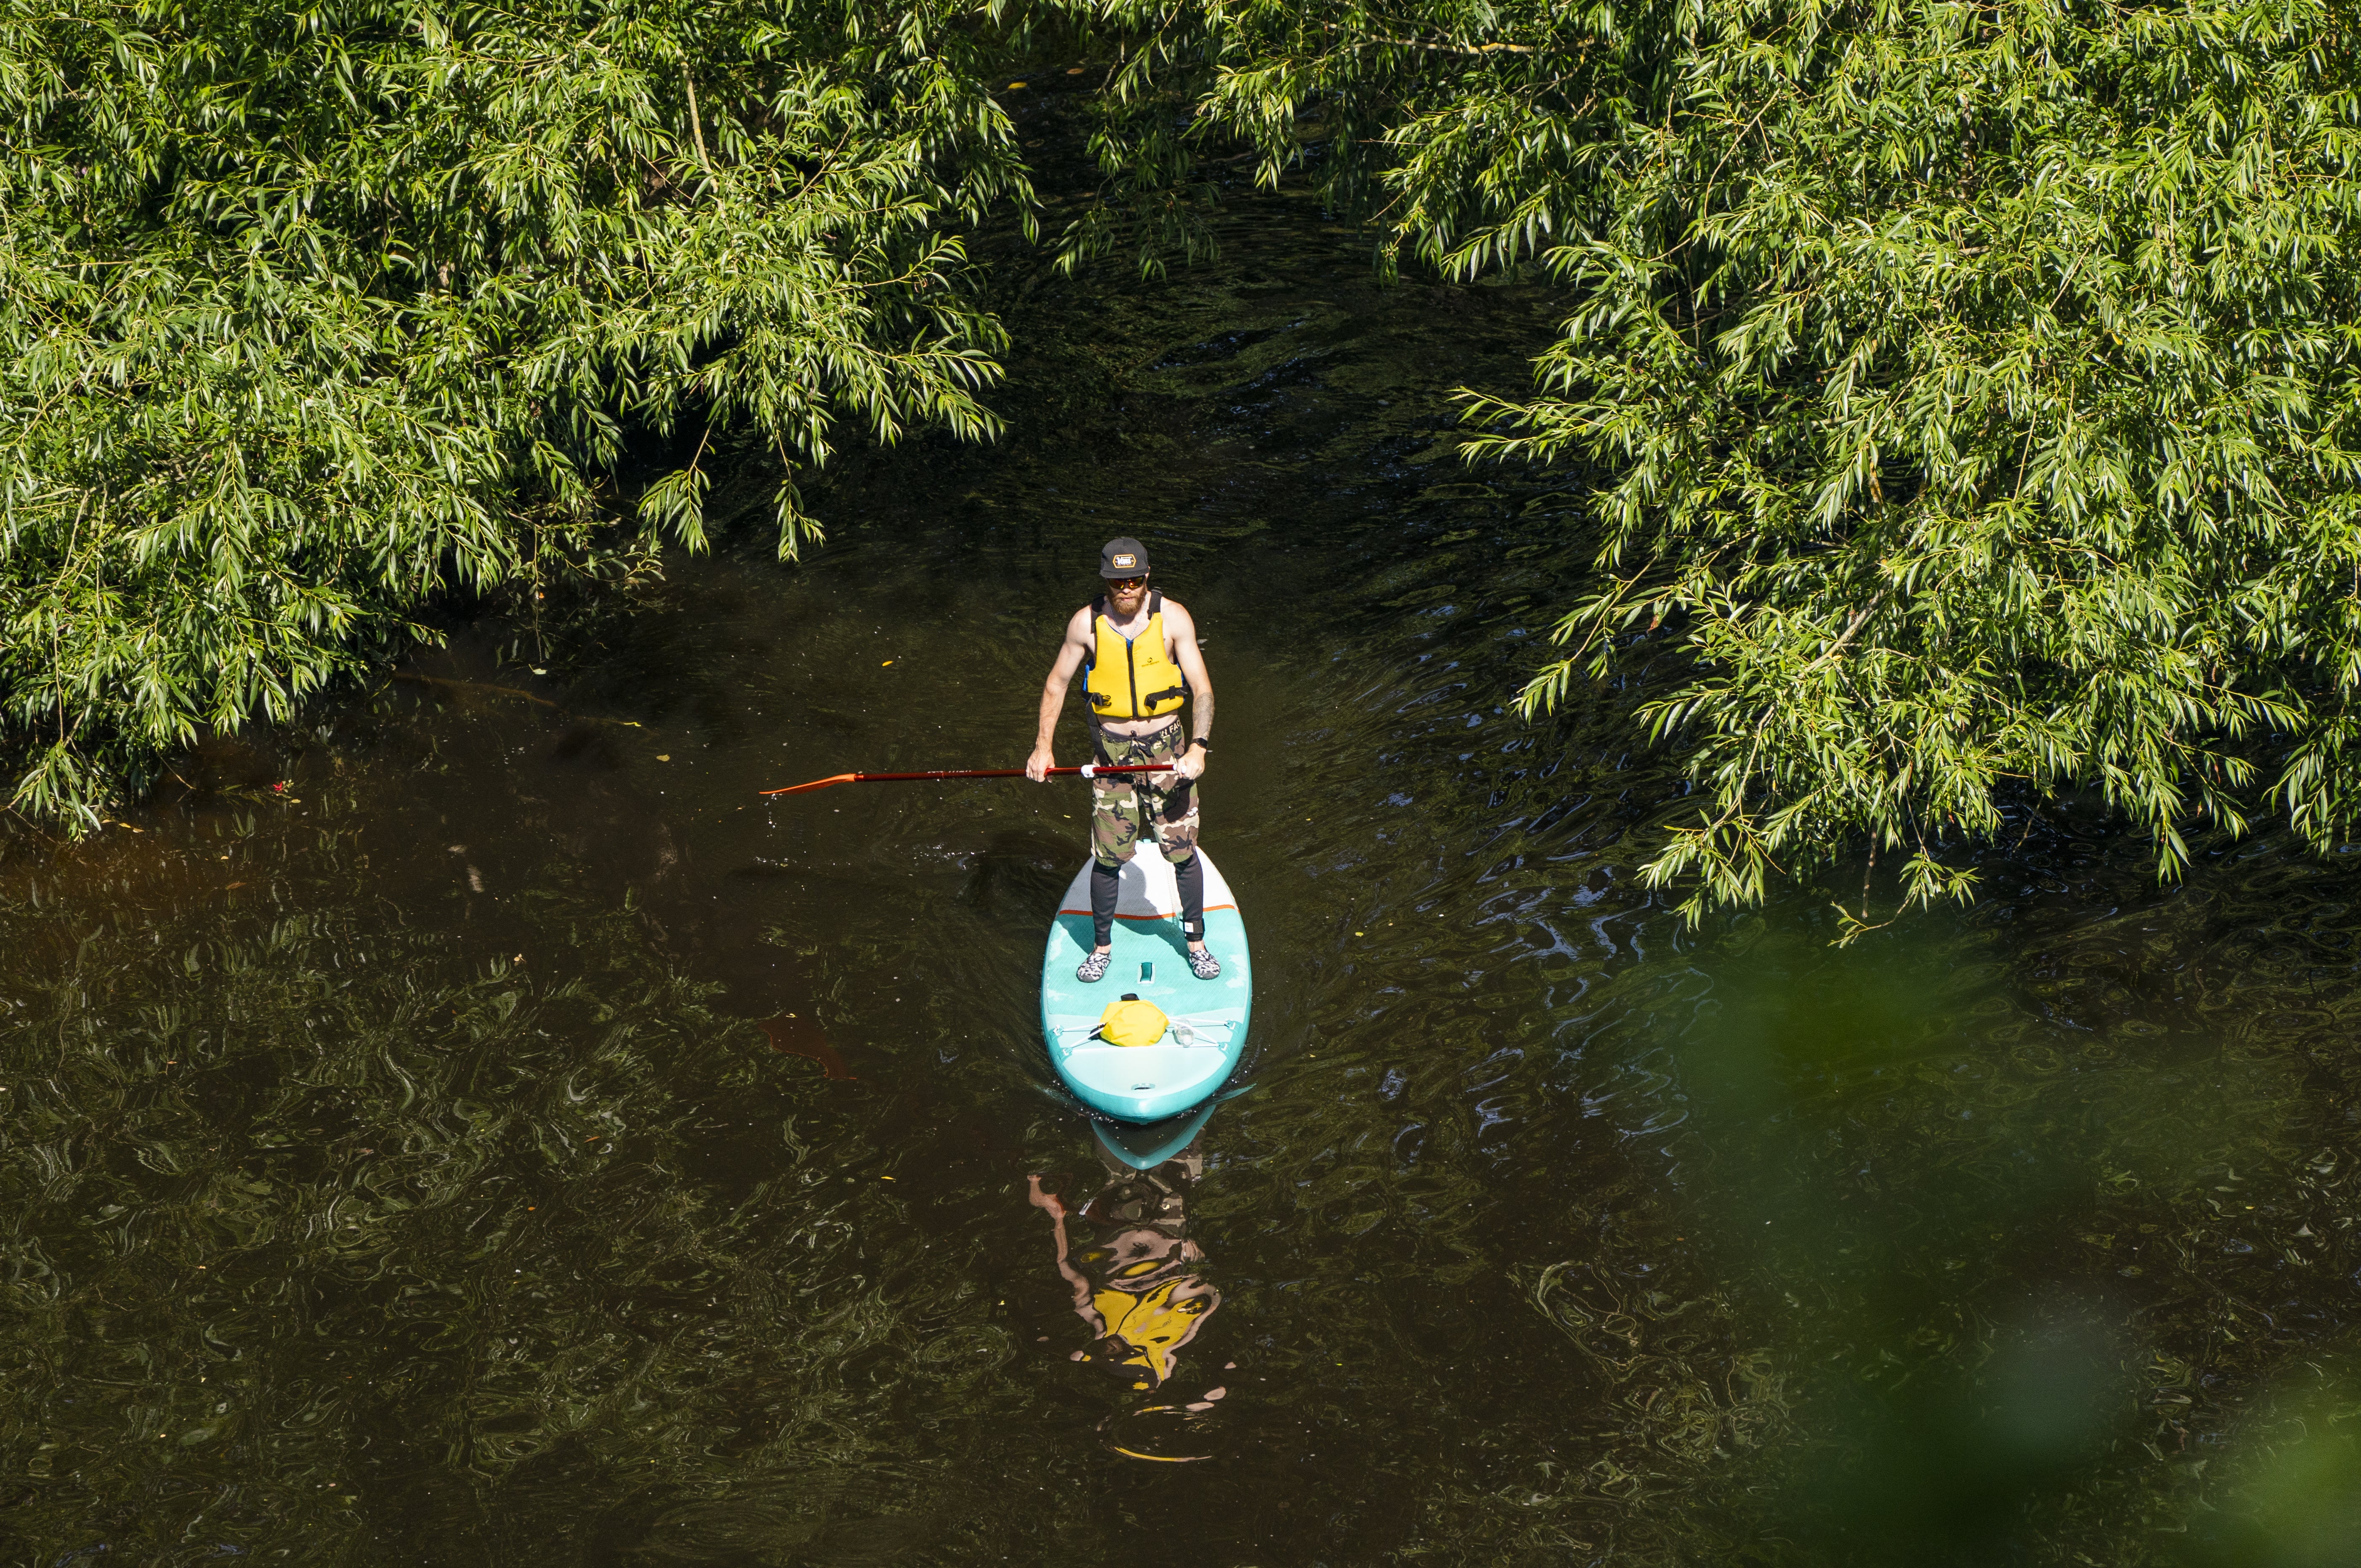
(1132, 1022)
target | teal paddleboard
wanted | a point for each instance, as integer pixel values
(1208, 1034)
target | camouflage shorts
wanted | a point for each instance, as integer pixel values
(1121, 809)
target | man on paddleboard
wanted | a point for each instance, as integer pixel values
(1138, 653)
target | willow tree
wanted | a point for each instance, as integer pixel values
(1971, 388)
(1977, 387)
(307, 314)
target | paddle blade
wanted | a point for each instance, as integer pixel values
(816, 784)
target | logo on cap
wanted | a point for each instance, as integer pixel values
(1126, 560)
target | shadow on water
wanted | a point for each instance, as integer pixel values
(515, 1142)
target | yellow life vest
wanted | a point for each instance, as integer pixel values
(1132, 677)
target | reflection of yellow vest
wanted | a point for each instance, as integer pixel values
(1132, 677)
(1154, 1325)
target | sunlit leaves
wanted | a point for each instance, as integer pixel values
(308, 316)
(1976, 391)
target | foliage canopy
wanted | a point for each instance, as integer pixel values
(1969, 389)
(306, 316)
(1976, 389)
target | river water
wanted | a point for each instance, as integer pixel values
(514, 1141)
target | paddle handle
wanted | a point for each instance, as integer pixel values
(1087, 770)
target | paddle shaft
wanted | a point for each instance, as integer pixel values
(1088, 769)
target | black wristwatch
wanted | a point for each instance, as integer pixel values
(1199, 741)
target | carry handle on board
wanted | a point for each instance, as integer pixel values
(1088, 771)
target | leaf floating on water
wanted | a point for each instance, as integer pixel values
(801, 1037)
(469, 687)
(472, 688)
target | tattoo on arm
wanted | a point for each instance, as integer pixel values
(1184, 631)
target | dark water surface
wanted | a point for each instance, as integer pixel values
(521, 1144)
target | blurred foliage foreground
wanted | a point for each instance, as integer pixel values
(1970, 391)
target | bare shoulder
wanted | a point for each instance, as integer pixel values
(1078, 627)
(1181, 636)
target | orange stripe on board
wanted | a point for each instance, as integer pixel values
(1174, 915)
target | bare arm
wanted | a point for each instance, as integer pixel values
(1047, 1201)
(1071, 653)
(1184, 627)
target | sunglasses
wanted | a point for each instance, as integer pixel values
(1127, 584)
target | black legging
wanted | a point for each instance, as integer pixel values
(1106, 879)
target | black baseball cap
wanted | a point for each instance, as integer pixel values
(1123, 558)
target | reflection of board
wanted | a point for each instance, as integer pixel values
(1147, 1083)
(1144, 1148)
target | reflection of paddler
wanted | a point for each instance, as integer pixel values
(1154, 1324)
(1137, 1288)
